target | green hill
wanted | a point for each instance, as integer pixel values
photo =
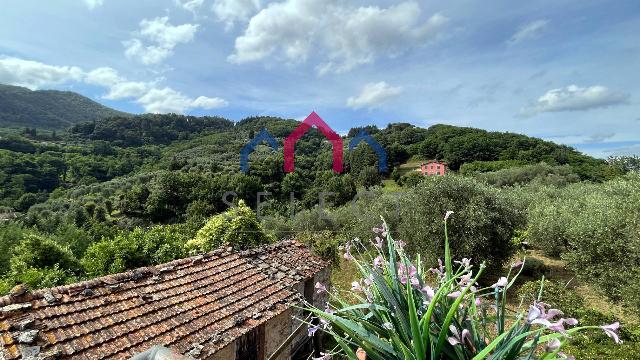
(48, 109)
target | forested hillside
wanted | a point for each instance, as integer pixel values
(48, 109)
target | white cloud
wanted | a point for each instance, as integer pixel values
(127, 89)
(119, 87)
(92, 4)
(575, 98)
(528, 31)
(190, 5)
(232, 11)
(134, 49)
(104, 76)
(343, 37)
(373, 95)
(163, 37)
(168, 100)
(35, 75)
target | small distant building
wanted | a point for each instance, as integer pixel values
(433, 167)
(224, 305)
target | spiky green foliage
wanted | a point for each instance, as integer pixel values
(397, 315)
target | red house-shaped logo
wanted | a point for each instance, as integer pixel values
(332, 136)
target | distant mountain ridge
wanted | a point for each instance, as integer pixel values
(48, 109)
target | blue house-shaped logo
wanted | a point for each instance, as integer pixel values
(382, 154)
(263, 135)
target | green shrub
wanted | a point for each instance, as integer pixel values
(324, 244)
(138, 248)
(43, 278)
(237, 227)
(541, 173)
(599, 228)
(5, 286)
(39, 252)
(411, 179)
(10, 235)
(369, 177)
(486, 220)
(534, 268)
(39, 262)
(475, 167)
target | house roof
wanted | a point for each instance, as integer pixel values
(193, 306)
(436, 162)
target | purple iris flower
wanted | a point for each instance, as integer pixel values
(612, 331)
(312, 330)
(459, 337)
(447, 214)
(347, 251)
(378, 242)
(466, 263)
(428, 292)
(377, 262)
(552, 345)
(408, 274)
(502, 282)
(320, 288)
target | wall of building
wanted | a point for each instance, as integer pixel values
(277, 330)
(433, 168)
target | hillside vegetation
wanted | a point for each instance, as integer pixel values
(48, 109)
(125, 192)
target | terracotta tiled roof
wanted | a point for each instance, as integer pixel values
(192, 306)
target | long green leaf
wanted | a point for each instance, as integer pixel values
(451, 313)
(414, 322)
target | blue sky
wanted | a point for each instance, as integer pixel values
(563, 70)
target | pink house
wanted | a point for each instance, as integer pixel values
(433, 167)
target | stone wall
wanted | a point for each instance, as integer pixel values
(277, 330)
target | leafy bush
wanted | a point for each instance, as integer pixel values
(486, 222)
(138, 248)
(237, 227)
(39, 252)
(43, 278)
(475, 167)
(10, 235)
(369, 177)
(534, 268)
(324, 244)
(539, 173)
(38, 262)
(597, 228)
(411, 179)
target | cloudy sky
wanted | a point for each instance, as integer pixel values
(563, 70)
